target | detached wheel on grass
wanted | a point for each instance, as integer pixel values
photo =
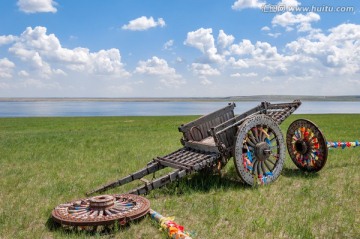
(306, 145)
(101, 210)
(259, 150)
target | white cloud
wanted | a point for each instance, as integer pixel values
(274, 35)
(107, 62)
(265, 28)
(46, 57)
(240, 63)
(232, 56)
(288, 19)
(34, 6)
(204, 70)
(266, 79)
(143, 23)
(339, 51)
(168, 45)
(6, 68)
(7, 39)
(242, 4)
(239, 75)
(23, 73)
(224, 40)
(243, 48)
(290, 3)
(159, 68)
(203, 40)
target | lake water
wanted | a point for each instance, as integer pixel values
(93, 108)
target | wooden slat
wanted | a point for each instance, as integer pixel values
(205, 118)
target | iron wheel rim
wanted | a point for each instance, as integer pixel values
(306, 133)
(256, 137)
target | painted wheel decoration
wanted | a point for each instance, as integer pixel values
(306, 145)
(259, 150)
(101, 210)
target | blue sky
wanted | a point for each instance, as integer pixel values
(148, 48)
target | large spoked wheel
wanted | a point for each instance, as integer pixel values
(306, 145)
(259, 150)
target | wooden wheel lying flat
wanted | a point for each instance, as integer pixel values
(259, 150)
(101, 210)
(306, 145)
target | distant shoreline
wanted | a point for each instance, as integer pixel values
(185, 99)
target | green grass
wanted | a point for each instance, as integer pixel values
(48, 161)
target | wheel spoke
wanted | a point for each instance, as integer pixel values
(263, 168)
(258, 169)
(267, 165)
(265, 134)
(255, 133)
(272, 162)
(251, 137)
(255, 171)
(261, 133)
(250, 142)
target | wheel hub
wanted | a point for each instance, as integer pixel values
(301, 146)
(262, 151)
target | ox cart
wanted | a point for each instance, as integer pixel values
(253, 139)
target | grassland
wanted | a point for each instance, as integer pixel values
(48, 161)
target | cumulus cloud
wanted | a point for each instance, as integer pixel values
(256, 56)
(203, 40)
(339, 51)
(242, 4)
(301, 21)
(4, 40)
(204, 70)
(46, 57)
(233, 56)
(143, 23)
(6, 68)
(290, 3)
(265, 28)
(34, 6)
(240, 63)
(245, 47)
(224, 40)
(159, 68)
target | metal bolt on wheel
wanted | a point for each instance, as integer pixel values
(306, 145)
(259, 150)
(101, 210)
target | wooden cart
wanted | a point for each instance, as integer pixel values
(252, 138)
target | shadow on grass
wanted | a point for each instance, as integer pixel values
(298, 173)
(202, 182)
